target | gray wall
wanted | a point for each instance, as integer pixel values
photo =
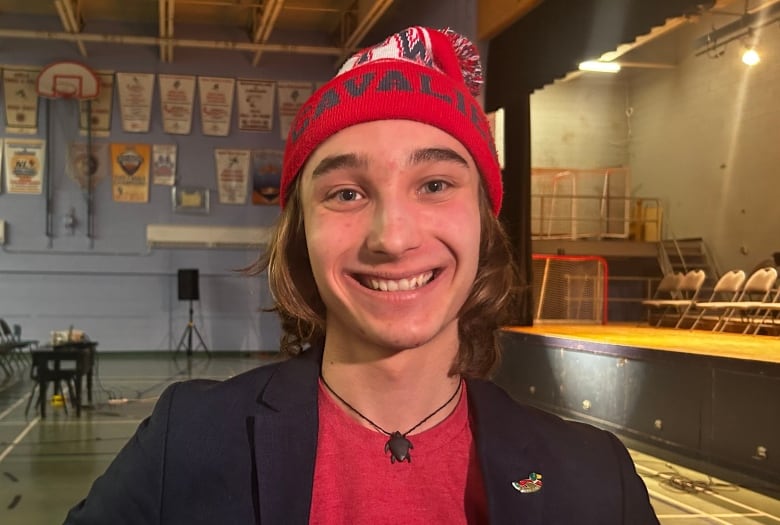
(118, 291)
(702, 137)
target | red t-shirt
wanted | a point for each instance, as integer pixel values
(355, 483)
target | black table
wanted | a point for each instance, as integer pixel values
(47, 364)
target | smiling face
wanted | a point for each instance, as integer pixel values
(391, 214)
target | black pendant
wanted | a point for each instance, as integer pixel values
(399, 447)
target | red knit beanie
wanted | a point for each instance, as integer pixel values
(421, 74)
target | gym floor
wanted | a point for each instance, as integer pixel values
(48, 465)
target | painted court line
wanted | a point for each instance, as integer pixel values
(752, 512)
(18, 439)
(691, 510)
(11, 408)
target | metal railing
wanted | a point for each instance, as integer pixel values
(555, 216)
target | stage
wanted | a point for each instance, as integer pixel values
(697, 342)
(710, 397)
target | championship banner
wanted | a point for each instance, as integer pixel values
(24, 160)
(81, 164)
(292, 96)
(135, 100)
(216, 105)
(21, 101)
(255, 104)
(101, 108)
(130, 172)
(177, 95)
(232, 175)
(266, 175)
(164, 164)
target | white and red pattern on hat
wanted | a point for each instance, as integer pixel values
(420, 74)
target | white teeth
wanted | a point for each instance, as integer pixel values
(402, 285)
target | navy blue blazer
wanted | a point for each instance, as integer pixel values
(242, 451)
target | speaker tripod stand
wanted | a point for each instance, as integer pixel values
(186, 338)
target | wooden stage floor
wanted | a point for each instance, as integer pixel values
(737, 346)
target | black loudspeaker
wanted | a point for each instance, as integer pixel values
(188, 285)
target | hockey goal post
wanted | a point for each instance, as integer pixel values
(569, 288)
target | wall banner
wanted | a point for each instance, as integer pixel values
(266, 175)
(232, 175)
(292, 96)
(24, 164)
(21, 101)
(80, 163)
(135, 100)
(130, 172)
(164, 164)
(255, 104)
(216, 105)
(177, 95)
(101, 108)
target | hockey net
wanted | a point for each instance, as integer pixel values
(569, 289)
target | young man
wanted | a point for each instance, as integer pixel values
(391, 275)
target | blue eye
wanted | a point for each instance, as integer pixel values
(434, 186)
(346, 195)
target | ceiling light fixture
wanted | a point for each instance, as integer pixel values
(599, 67)
(751, 56)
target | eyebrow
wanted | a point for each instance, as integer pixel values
(419, 156)
(436, 155)
(336, 162)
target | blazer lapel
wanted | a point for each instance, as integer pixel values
(508, 454)
(284, 431)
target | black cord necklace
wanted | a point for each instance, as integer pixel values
(398, 445)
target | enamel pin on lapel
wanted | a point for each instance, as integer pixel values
(533, 483)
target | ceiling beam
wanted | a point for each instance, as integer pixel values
(162, 6)
(71, 23)
(169, 35)
(493, 16)
(623, 49)
(264, 24)
(369, 18)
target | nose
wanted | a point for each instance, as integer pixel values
(395, 229)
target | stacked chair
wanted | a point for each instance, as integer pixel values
(771, 311)
(13, 350)
(746, 303)
(681, 299)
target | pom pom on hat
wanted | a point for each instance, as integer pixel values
(420, 74)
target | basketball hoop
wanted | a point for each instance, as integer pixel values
(68, 80)
(71, 80)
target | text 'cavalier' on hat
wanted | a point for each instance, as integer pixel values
(420, 74)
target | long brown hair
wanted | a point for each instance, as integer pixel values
(297, 301)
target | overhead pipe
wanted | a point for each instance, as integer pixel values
(181, 42)
(755, 18)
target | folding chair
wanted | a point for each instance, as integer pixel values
(771, 308)
(9, 349)
(668, 289)
(725, 292)
(688, 291)
(17, 344)
(755, 292)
